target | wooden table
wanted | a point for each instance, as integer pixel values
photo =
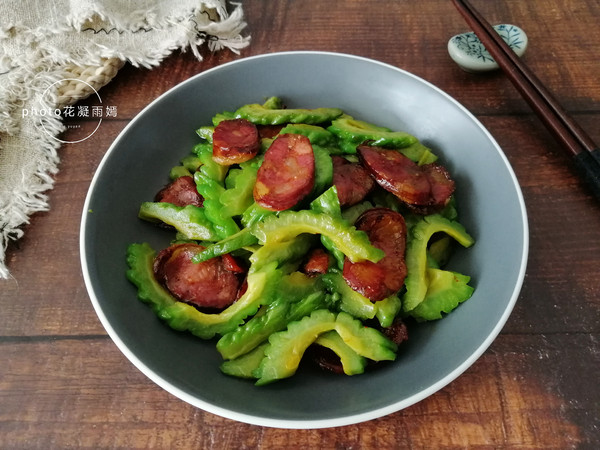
(63, 383)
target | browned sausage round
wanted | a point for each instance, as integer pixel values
(287, 173)
(317, 263)
(325, 358)
(181, 192)
(367, 278)
(428, 187)
(268, 131)
(353, 181)
(235, 141)
(442, 187)
(397, 332)
(208, 284)
(232, 264)
(386, 230)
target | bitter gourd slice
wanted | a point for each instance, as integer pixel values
(286, 348)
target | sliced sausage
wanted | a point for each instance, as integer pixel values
(325, 358)
(232, 264)
(235, 141)
(367, 278)
(386, 230)
(287, 173)
(317, 263)
(353, 181)
(181, 192)
(426, 187)
(208, 284)
(397, 332)
(268, 131)
(442, 188)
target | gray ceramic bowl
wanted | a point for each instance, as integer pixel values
(136, 166)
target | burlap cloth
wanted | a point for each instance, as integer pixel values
(62, 51)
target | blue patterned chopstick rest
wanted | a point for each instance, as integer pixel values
(470, 54)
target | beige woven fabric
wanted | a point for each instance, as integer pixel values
(53, 54)
(83, 81)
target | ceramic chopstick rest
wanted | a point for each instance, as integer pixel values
(471, 55)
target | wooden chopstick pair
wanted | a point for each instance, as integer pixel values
(585, 153)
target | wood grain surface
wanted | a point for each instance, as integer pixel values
(64, 384)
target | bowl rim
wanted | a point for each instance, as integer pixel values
(300, 423)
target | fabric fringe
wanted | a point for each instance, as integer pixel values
(24, 75)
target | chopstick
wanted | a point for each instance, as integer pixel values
(584, 151)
